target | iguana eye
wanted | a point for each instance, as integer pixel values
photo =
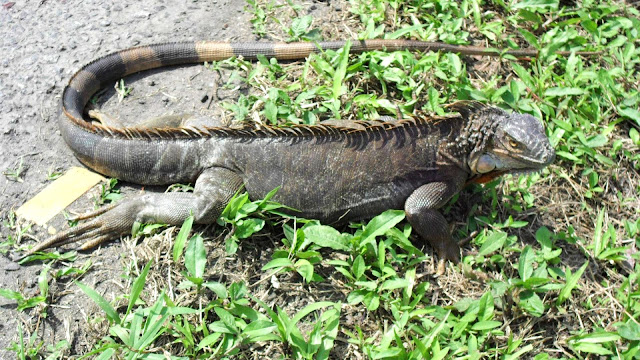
(514, 144)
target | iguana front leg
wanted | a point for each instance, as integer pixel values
(422, 212)
(213, 190)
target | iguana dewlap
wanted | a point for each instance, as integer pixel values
(330, 172)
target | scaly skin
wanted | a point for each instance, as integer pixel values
(333, 172)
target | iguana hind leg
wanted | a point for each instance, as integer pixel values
(166, 121)
(156, 122)
(213, 190)
(422, 212)
(105, 119)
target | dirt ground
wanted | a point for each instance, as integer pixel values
(43, 42)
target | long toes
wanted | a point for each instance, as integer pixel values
(94, 228)
(94, 213)
(76, 233)
(67, 236)
(90, 244)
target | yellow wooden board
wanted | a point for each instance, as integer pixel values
(58, 195)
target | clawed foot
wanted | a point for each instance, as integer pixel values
(108, 222)
(447, 251)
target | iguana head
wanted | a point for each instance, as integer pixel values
(515, 143)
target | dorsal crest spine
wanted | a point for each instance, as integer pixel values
(263, 131)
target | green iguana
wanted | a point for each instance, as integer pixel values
(334, 172)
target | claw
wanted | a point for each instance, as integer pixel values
(94, 213)
(104, 119)
(95, 232)
(65, 237)
(115, 220)
(90, 244)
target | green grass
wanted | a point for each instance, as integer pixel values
(550, 271)
(16, 173)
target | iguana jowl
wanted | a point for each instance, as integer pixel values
(334, 173)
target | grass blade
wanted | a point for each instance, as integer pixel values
(137, 287)
(112, 315)
(341, 71)
(572, 281)
(181, 239)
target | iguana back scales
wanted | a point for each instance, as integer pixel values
(333, 172)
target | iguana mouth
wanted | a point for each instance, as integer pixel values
(539, 163)
(527, 171)
(485, 178)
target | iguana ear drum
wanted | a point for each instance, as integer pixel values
(485, 164)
